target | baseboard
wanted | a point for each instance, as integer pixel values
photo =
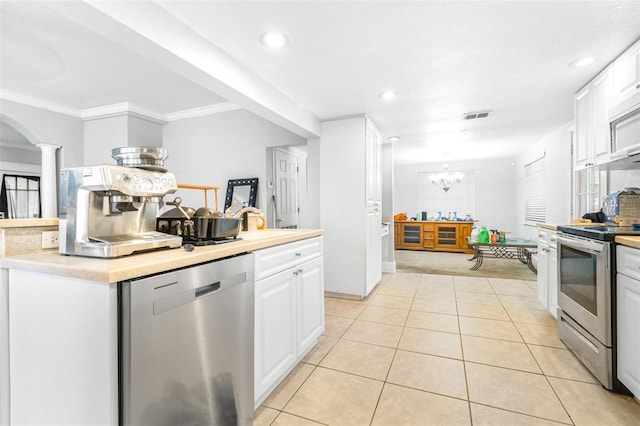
(389, 267)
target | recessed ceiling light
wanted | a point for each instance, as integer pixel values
(274, 39)
(582, 62)
(388, 95)
(394, 138)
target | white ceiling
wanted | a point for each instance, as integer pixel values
(444, 58)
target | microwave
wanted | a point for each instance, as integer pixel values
(625, 134)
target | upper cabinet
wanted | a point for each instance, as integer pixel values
(593, 137)
(626, 81)
(625, 111)
(607, 113)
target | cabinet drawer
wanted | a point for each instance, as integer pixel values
(275, 259)
(428, 227)
(429, 243)
(628, 262)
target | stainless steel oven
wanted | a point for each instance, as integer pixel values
(585, 301)
(587, 297)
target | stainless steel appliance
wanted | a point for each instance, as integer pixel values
(186, 346)
(110, 211)
(625, 130)
(586, 297)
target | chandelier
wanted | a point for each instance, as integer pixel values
(446, 180)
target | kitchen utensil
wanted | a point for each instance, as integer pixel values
(198, 226)
(188, 213)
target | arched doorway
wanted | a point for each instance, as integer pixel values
(28, 171)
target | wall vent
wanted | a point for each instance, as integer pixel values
(476, 115)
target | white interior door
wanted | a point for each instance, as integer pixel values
(286, 189)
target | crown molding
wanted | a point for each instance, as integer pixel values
(114, 110)
(123, 108)
(39, 103)
(202, 111)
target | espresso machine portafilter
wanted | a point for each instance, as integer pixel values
(110, 211)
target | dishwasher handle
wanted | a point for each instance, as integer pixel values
(206, 289)
(194, 294)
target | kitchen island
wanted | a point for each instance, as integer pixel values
(59, 326)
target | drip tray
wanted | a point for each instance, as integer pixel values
(209, 242)
(130, 238)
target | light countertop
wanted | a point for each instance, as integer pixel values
(138, 265)
(628, 241)
(27, 223)
(547, 226)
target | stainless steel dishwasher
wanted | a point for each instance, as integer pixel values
(186, 346)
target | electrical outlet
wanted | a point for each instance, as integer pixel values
(50, 239)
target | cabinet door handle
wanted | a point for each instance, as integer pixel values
(298, 254)
(295, 272)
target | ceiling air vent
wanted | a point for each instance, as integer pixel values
(476, 115)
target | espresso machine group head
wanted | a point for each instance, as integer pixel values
(110, 211)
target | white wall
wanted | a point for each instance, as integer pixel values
(557, 146)
(620, 179)
(51, 128)
(212, 149)
(144, 132)
(27, 154)
(101, 135)
(313, 183)
(495, 190)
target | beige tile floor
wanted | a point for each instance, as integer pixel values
(442, 350)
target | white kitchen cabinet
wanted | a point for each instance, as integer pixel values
(63, 343)
(626, 81)
(310, 304)
(628, 317)
(350, 170)
(548, 270)
(553, 277)
(543, 271)
(289, 310)
(275, 329)
(373, 248)
(592, 135)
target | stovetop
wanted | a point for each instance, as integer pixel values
(602, 233)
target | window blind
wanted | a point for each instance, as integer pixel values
(535, 209)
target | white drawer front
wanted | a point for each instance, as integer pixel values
(628, 262)
(275, 259)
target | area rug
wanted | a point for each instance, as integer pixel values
(443, 263)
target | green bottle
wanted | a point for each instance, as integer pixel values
(483, 235)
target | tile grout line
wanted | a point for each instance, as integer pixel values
(464, 364)
(537, 363)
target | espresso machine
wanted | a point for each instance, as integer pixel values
(110, 210)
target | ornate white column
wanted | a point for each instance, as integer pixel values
(48, 187)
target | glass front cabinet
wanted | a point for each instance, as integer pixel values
(433, 236)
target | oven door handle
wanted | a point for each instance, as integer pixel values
(591, 246)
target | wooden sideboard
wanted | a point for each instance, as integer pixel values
(433, 236)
